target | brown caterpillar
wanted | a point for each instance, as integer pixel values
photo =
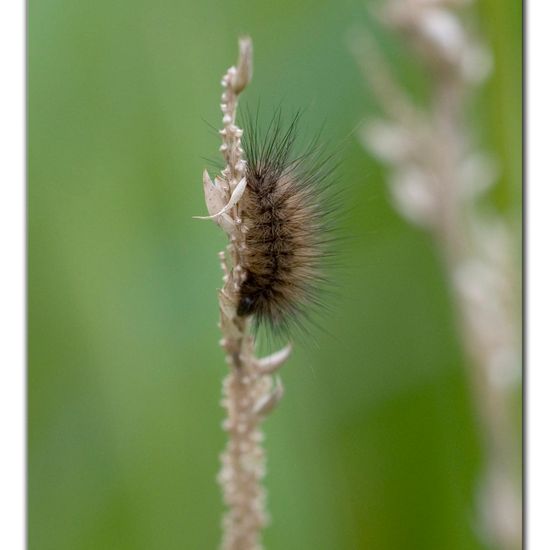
(287, 209)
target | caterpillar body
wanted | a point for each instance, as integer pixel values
(287, 211)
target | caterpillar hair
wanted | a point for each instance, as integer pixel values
(288, 211)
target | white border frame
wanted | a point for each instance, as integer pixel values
(12, 287)
(537, 269)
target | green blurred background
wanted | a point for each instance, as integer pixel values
(375, 445)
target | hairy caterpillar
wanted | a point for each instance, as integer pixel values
(287, 210)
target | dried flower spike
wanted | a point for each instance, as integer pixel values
(271, 204)
(436, 178)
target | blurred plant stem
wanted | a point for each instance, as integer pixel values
(437, 179)
(249, 391)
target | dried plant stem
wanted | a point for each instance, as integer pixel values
(500, 497)
(250, 391)
(436, 179)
